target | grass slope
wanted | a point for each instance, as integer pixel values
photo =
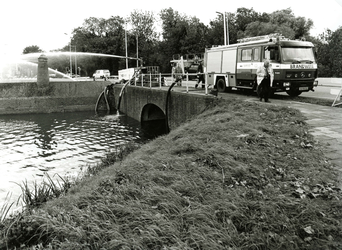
(239, 176)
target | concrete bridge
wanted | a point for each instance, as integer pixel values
(159, 107)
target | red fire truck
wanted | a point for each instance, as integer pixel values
(234, 66)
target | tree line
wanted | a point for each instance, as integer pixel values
(182, 34)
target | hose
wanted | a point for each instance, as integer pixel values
(123, 88)
(120, 95)
(104, 93)
(167, 107)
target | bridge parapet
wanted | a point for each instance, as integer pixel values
(150, 104)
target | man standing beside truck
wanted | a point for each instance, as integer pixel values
(177, 73)
(264, 79)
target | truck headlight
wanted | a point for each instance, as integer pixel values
(287, 84)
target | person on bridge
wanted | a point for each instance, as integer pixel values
(265, 77)
(178, 74)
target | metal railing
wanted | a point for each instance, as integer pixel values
(162, 80)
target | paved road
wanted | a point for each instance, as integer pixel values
(327, 89)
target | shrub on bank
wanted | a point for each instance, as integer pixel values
(239, 176)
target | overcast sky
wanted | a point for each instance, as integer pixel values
(44, 22)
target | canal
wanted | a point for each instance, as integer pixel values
(57, 143)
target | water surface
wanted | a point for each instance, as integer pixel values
(57, 143)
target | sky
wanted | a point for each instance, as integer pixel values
(48, 24)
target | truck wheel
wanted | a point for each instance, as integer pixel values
(221, 85)
(93, 78)
(293, 93)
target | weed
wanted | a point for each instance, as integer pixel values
(40, 193)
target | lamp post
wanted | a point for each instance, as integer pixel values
(227, 29)
(224, 26)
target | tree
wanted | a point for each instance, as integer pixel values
(195, 39)
(215, 30)
(245, 16)
(281, 21)
(241, 21)
(32, 49)
(181, 35)
(173, 31)
(286, 18)
(101, 36)
(144, 32)
(335, 53)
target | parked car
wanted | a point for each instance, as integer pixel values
(101, 74)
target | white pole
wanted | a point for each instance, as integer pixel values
(160, 80)
(75, 63)
(206, 83)
(227, 29)
(224, 28)
(70, 61)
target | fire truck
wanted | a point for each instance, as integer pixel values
(189, 63)
(234, 66)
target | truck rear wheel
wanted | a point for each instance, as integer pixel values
(221, 85)
(293, 92)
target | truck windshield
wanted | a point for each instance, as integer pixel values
(298, 54)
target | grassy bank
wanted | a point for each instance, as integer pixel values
(239, 176)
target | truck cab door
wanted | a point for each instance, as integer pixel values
(244, 64)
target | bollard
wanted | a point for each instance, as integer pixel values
(160, 83)
(43, 72)
(206, 84)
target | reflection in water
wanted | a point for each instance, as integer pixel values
(58, 143)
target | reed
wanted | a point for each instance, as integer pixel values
(6, 208)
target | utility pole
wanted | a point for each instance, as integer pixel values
(227, 29)
(224, 26)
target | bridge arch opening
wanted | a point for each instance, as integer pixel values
(153, 120)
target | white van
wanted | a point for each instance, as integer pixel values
(101, 74)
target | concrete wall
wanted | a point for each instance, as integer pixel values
(329, 81)
(27, 97)
(182, 106)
